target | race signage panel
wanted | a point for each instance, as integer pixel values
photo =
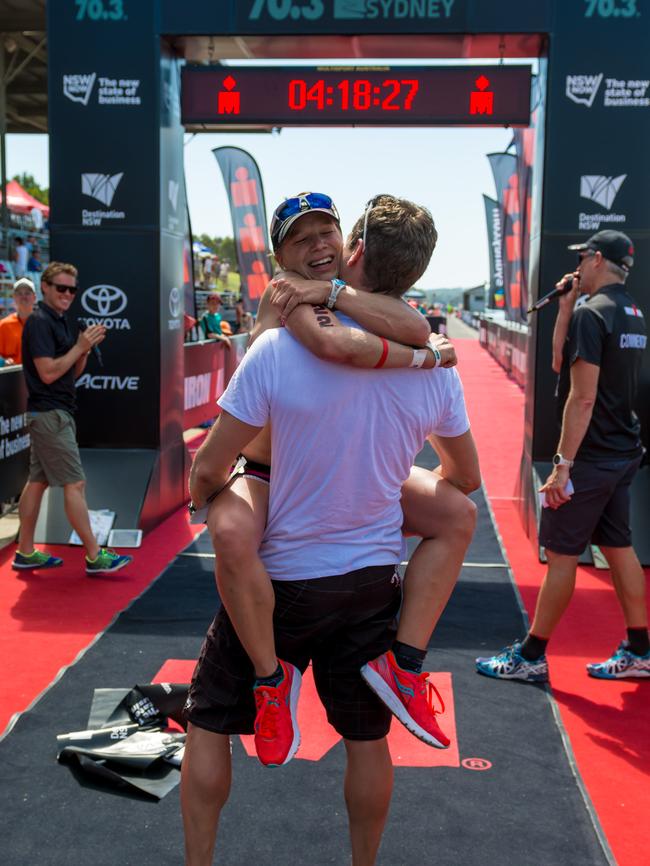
(353, 96)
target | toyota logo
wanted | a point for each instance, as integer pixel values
(103, 300)
(175, 302)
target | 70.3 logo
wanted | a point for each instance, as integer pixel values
(311, 10)
(611, 9)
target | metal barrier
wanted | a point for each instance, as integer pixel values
(507, 342)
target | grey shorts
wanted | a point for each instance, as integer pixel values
(54, 454)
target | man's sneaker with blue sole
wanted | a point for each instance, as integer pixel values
(509, 664)
(621, 665)
(35, 559)
(106, 562)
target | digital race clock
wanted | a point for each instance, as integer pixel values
(230, 96)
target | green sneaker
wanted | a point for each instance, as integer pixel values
(37, 559)
(106, 562)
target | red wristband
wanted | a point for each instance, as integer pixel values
(384, 354)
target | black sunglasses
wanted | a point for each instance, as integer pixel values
(62, 288)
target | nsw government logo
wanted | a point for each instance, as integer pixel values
(110, 91)
(79, 87)
(101, 187)
(582, 89)
(175, 306)
(104, 303)
(601, 190)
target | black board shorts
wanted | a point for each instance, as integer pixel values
(598, 511)
(337, 623)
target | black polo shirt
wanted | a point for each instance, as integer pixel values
(47, 335)
(609, 331)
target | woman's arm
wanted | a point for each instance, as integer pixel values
(384, 315)
(318, 329)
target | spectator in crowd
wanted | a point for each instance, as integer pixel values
(52, 360)
(239, 313)
(597, 350)
(11, 327)
(34, 263)
(21, 256)
(246, 324)
(208, 265)
(224, 270)
(212, 322)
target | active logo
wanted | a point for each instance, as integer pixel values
(582, 89)
(175, 306)
(104, 303)
(602, 190)
(108, 383)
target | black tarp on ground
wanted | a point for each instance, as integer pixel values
(526, 809)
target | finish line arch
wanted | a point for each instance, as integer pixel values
(114, 85)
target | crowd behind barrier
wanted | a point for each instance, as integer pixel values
(507, 342)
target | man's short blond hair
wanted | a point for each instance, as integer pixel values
(56, 268)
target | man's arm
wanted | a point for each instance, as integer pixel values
(458, 460)
(382, 314)
(216, 456)
(566, 303)
(319, 330)
(576, 417)
(51, 369)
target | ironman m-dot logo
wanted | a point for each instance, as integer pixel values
(104, 304)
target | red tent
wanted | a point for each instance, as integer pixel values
(20, 201)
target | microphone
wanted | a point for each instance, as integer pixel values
(564, 289)
(95, 349)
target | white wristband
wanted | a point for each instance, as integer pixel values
(419, 357)
(337, 287)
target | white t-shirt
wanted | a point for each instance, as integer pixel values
(343, 441)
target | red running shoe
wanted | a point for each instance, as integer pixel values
(409, 697)
(276, 725)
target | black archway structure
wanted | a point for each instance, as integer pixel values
(114, 110)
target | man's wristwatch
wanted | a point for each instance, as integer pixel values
(558, 460)
(337, 287)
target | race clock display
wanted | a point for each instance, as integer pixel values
(230, 96)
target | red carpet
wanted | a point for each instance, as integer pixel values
(607, 722)
(48, 617)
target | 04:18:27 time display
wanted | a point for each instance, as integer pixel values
(358, 94)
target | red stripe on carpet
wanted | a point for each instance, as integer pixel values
(48, 617)
(607, 722)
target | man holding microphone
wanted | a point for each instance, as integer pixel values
(597, 350)
(52, 361)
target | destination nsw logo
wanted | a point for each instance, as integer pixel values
(601, 190)
(101, 187)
